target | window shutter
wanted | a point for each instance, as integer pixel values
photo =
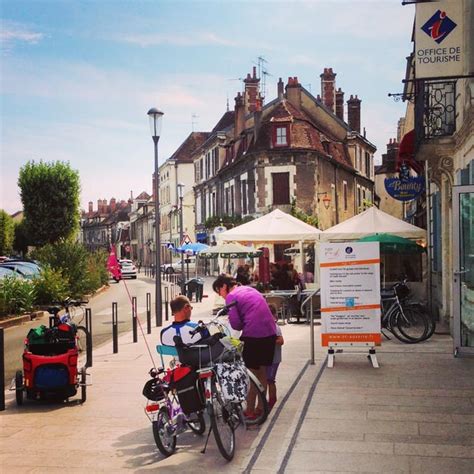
(281, 188)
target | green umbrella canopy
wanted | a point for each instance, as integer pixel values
(390, 243)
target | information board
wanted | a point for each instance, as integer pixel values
(350, 294)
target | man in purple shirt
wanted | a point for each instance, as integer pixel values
(253, 317)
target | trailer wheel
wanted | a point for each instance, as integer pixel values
(19, 387)
(83, 385)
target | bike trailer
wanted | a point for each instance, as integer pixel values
(188, 388)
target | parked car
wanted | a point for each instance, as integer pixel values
(175, 267)
(129, 270)
(8, 272)
(26, 269)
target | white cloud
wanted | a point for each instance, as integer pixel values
(176, 39)
(12, 33)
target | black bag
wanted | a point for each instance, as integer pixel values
(189, 391)
(198, 357)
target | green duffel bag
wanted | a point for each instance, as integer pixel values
(38, 335)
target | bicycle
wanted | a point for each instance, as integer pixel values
(406, 320)
(225, 399)
(165, 413)
(83, 337)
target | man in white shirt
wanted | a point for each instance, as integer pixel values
(182, 325)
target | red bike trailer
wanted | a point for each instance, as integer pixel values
(50, 369)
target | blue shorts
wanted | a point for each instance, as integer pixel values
(272, 372)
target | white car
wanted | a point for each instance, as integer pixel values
(129, 270)
(175, 267)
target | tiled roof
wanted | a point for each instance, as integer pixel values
(184, 153)
(225, 121)
(143, 196)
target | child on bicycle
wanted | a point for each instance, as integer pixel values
(272, 369)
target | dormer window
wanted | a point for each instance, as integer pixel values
(281, 135)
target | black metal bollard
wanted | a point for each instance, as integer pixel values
(2, 371)
(89, 337)
(148, 313)
(166, 303)
(134, 319)
(115, 327)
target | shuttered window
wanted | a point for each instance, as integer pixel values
(281, 188)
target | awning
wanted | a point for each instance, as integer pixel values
(406, 153)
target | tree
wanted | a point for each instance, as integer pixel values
(7, 232)
(50, 196)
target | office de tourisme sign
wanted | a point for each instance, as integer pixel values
(439, 48)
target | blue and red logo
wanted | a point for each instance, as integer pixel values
(439, 26)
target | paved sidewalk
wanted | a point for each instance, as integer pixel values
(414, 414)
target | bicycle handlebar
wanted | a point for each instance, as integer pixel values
(202, 326)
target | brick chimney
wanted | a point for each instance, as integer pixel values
(328, 88)
(280, 89)
(239, 121)
(353, 113)
(91, 207)
(113, 205)
(252, 93)
(389, 159)
(293, 91)
(104, 206)
(340, 104)
(99, 206)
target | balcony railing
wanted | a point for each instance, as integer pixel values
(435, 109)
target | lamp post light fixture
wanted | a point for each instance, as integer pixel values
(326, 199)
(156, 117)
(180, 188)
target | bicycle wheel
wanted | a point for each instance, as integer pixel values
(222, 423)
(413, 324)
(81, 340)
(196, 423)
(164, 433)
(262, 409)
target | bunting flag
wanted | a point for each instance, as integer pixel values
(113, 266)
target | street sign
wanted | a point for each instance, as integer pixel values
(186, 240)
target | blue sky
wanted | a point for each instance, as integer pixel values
(77, 77)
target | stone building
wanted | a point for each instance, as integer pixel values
(296, 149)
(105, 227)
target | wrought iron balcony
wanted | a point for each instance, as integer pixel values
(435, 109)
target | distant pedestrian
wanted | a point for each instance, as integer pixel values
(273, 368)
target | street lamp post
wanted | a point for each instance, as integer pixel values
(180, 188)
(156, 117)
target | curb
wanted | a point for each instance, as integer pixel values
(17, 320)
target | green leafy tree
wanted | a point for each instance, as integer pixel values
(50, 196)
(7, 232)
(83, 272)
(21, 242)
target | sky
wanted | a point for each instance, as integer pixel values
(78, 77)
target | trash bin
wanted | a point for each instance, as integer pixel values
(194, 286)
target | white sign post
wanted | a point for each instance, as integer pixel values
(350, 297)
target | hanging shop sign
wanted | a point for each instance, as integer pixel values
(405, 189)
(439, 50)
(350, 294)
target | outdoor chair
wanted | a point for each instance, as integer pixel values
(281, 305)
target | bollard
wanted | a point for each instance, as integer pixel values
(134, 319)
(89, 337)
(166, 303)
(148, 313)
(115, 327)
(2, 371)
